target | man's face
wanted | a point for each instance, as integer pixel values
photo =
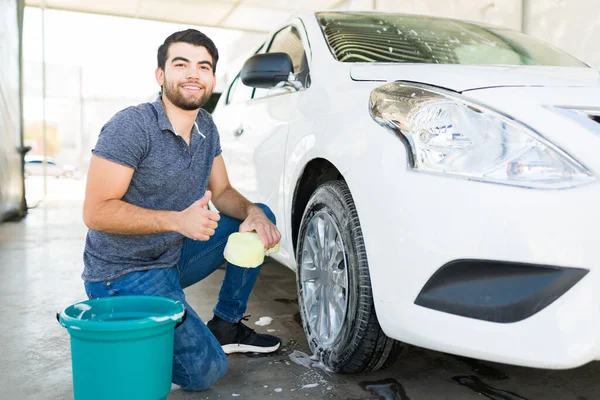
(188, 79)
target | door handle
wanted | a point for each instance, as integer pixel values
(238, 132)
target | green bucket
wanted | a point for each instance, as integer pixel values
(122, 346)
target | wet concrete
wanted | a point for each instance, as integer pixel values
(40, 266)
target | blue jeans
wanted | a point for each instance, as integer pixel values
(198, 360)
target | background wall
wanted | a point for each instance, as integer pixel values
(573, 26)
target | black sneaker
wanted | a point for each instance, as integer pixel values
(238, 338)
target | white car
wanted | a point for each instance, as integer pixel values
(435, 182)
(34, 166)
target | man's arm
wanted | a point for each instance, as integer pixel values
(103, 209)
(230, 202)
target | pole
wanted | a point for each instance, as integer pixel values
(44, 94)
(524, 16)
(79, 135)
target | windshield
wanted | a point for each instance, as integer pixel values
(402, 38)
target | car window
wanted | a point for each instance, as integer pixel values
(398, 38)
(288, 41)
(238, 92)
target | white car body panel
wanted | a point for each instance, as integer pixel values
(258, 148)
(413, 223)
(465, 77)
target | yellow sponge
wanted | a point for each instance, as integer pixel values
(245, 249)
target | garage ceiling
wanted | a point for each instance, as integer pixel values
(246, 15)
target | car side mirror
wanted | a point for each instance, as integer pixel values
(267, 70)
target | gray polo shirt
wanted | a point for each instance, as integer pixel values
(168, 175)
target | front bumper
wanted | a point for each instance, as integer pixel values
(415, 223)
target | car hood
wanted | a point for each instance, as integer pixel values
(467, 77)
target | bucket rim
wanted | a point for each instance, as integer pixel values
(73, 323)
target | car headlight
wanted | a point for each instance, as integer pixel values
(449, 135)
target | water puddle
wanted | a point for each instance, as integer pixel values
(298, 318)
(386, 389)
(483, 370)
(259, 355)
(477, 385)
(287, 301)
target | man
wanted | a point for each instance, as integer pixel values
(150, 233)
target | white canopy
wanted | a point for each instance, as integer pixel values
(247, 15)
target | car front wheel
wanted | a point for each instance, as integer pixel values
(334, 287)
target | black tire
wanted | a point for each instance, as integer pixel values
(361, 345)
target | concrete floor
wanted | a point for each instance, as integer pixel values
(40, 265)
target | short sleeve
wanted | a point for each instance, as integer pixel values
(217, 142)
(123, 139)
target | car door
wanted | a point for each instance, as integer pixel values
(254, 130)
(229, 119)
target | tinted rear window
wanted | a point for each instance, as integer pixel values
(385, 38)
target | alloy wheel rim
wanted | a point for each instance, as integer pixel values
(324, 278)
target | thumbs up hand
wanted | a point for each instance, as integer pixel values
(198, 223)
(204, 200)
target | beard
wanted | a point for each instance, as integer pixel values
(189, 102)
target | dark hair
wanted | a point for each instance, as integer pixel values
(191, 36)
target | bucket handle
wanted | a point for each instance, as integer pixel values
(183, 318)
